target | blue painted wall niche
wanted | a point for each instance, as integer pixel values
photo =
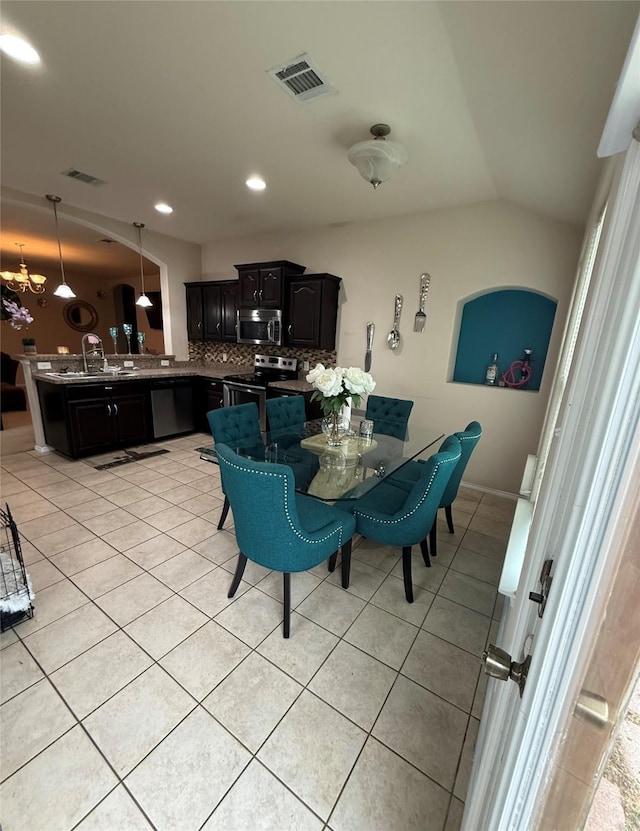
(506, 321)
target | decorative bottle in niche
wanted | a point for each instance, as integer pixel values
(491, 376)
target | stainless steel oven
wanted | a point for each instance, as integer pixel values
(260, 326)
(245, 388)
(236, 392)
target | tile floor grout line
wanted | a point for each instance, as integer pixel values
(367, 602)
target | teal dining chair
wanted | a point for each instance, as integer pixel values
(409, 473)
(287, 412)
(277, 527)
(235, 425)
(389, 415)
(393, 516)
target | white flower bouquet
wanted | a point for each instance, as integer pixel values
(333, 387)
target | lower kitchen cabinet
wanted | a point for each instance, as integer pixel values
(208, 397)
(81, 420)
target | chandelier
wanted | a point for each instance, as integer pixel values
(23, 280)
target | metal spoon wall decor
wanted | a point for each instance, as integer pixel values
(393, 338)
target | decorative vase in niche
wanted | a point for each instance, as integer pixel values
(335, 428)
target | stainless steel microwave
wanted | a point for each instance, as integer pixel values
(260, 326)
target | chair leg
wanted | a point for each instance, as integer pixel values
(287, 604)
(237, 577)
(346, 564)
(425, 553)
(223, 515)
(449, 517)
(406, 571)
(433, 543)
(333, 559)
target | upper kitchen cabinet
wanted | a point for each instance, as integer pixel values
(261, 285)
(211, 310)
(312, 311)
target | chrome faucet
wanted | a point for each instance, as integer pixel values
(95, 350)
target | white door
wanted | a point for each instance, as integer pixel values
(589, 473)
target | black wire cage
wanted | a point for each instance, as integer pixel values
(16, 593)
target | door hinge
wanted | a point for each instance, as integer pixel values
(545, 585)
(498, 664)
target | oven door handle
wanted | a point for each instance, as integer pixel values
(242, 388)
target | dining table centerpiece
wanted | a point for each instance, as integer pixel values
(334, 389)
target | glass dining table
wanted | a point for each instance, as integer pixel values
(332, 473)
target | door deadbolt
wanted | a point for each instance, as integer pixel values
(498, 664)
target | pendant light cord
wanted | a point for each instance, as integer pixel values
(55, 213)
(140, 226)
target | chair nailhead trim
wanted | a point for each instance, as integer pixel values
(424, 496)
(286, 504)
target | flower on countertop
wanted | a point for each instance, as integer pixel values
(18, 315)
(333, 387)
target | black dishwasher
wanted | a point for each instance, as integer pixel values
(172, 406)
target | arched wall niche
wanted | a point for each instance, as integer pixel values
(505, 321)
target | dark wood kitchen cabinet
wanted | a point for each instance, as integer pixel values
(208, 397)
(92, 418)
(211, 310)
(312, 311)
(261, 285)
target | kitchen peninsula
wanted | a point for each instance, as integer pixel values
(79, 414)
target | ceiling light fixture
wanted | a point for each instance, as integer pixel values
(377, 159)
(256, 183)
(163, 208)
(18, 49)
(63, 290)
(143, 300)
(22, 280)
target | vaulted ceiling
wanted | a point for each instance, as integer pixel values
(172, 101)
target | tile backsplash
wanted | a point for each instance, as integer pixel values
(242, 353)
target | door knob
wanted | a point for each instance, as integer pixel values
(498, 664)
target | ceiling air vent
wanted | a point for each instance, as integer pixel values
(301, 79)
(79, 176)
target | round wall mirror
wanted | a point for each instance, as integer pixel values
(80, 315)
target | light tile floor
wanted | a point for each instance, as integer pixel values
(139, 696)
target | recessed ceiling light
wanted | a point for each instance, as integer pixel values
(163, 208)
(256, 183)
(18, 49)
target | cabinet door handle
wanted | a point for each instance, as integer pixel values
(108, 409)
(115, 409)
(218, 326)
(289, 328)
(260, 293)
(255, 296)
(199, 324)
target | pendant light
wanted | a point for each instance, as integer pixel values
(377, 159)
(143, 300)
(63, 290)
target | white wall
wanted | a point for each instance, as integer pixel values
(466, 250)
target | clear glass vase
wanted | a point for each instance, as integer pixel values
(335, 428)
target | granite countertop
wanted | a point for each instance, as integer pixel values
(296, 386)
(211, 370)
(214, 370)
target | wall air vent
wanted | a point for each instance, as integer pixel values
(301, 79)
(79, 176)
